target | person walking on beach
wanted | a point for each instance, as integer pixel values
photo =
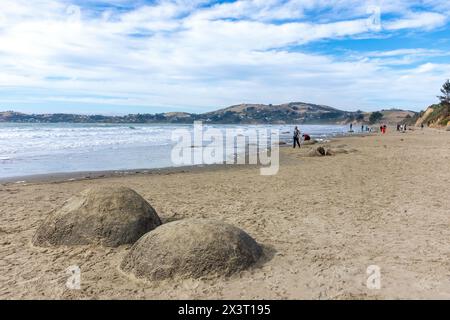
(296, 137)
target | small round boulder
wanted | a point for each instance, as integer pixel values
(191, 248)
(109, 216)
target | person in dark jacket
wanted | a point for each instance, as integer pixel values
(296, 137)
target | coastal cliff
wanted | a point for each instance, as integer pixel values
(435, 116)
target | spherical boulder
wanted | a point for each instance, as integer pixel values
(109, 216)
(191, 248)
(317, 152)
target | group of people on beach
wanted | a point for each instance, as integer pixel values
(363, 128)
(383, 129)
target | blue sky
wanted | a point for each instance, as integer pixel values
(118, 57)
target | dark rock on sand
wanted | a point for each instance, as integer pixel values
(191, 248)
(324, 151)
(321, 151)
(110, 216)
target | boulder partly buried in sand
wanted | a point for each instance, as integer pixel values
(110, 216)
(191, 248)
(322, 152)
(318, 152)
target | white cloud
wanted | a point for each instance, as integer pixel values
(183, 53)
(426, 20)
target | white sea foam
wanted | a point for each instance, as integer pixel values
(46, 148)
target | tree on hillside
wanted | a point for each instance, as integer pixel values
(445, 98)
(375, 117)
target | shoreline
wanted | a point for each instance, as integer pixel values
(59, 177)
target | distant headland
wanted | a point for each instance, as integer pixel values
(293, 112)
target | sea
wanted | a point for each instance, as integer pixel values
(35, 148)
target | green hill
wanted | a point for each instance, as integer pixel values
(435, 116)
(288, 113)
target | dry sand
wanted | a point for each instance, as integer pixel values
(325, 220)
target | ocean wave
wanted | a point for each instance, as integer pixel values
(44, 148)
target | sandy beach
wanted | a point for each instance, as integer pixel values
(322, 221)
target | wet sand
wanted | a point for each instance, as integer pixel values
(325, 220)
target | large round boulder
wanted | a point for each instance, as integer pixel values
(318, 152)
(191, 248)
(109, 216)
